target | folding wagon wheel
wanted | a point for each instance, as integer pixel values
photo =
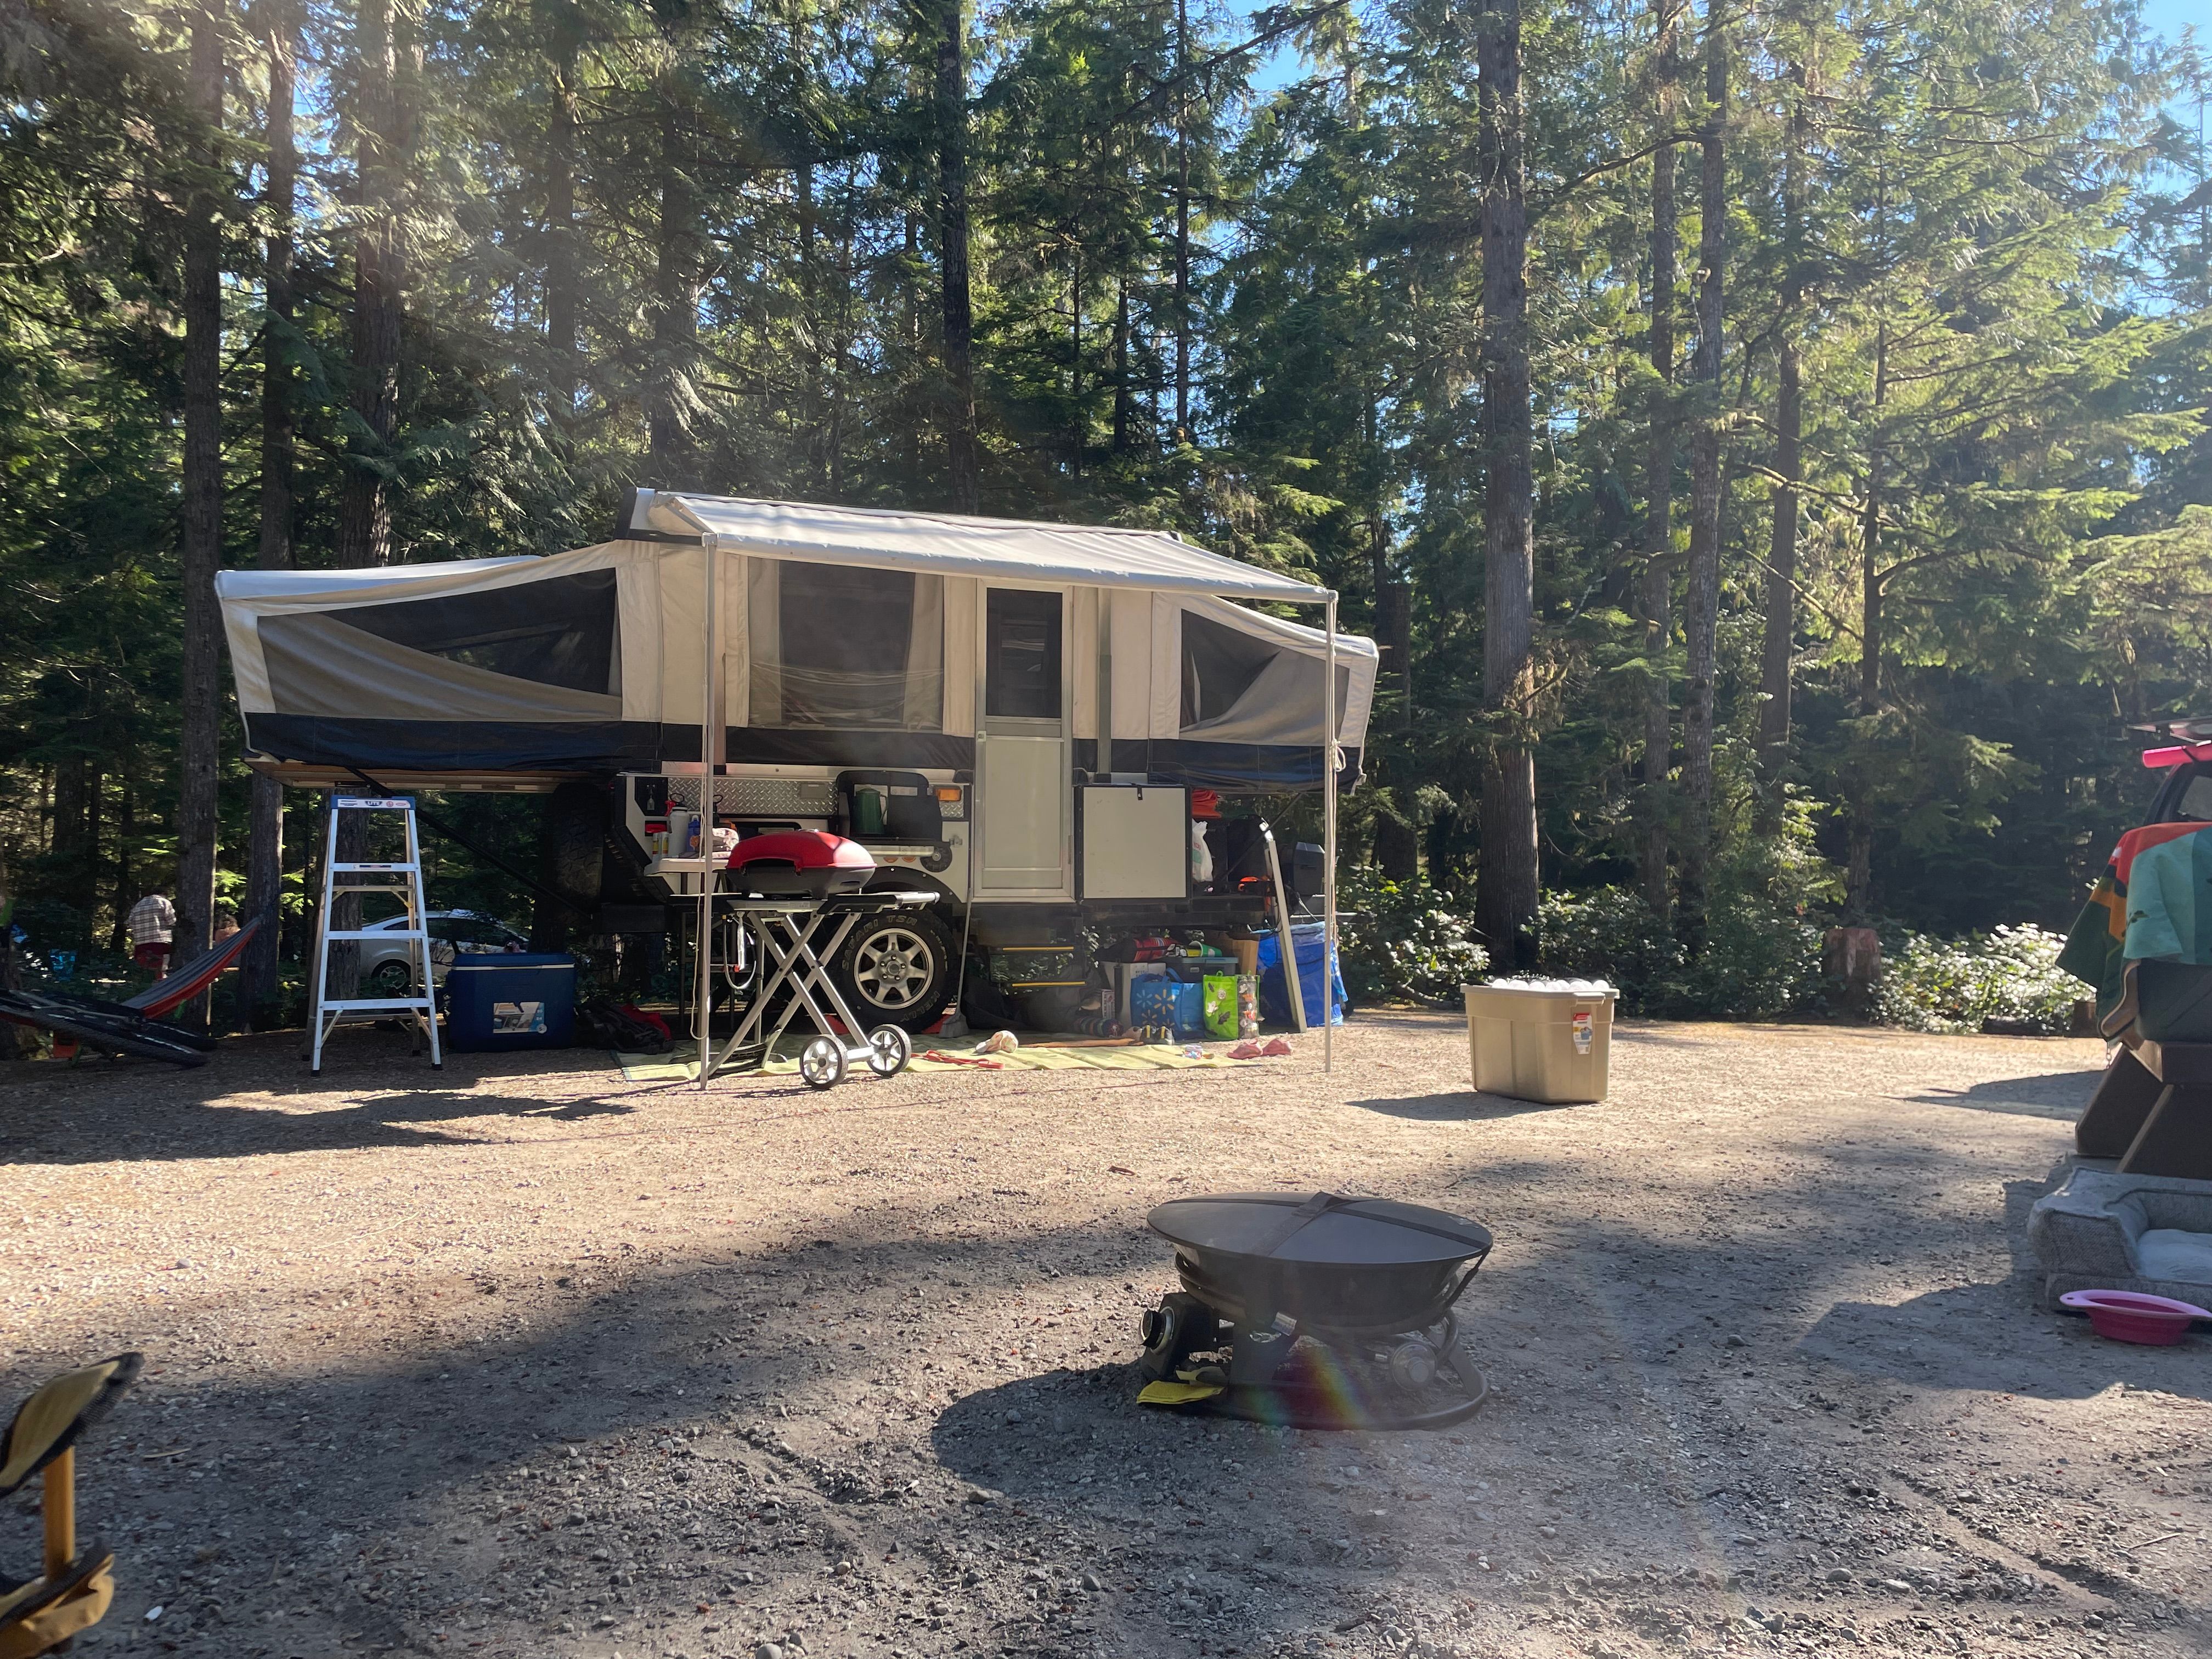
(889, 1047)
(822, 1063)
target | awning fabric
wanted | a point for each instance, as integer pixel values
(1005, 550)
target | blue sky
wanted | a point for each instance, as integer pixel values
(2163, 17)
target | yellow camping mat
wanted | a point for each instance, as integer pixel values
(681, 1063)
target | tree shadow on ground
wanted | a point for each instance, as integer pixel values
(316, 1513)
(1998, 1336)
(264, 1101)
(2060, 1096)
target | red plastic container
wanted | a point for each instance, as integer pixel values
(2156, 1321)
(801, 864)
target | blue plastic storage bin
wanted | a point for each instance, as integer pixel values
(516, 1001)
(1308, 940)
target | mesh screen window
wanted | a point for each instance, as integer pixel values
(559, 632)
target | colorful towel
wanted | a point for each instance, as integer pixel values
(2125, 917)
(682, 1064)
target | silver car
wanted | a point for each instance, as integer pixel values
(387, 970)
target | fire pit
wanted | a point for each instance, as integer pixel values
(1319, 1312)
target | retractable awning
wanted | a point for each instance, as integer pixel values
(947, 544)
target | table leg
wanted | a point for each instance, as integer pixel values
(2118, 1109)
(2176, 1139)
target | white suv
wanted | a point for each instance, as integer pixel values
(387, 970)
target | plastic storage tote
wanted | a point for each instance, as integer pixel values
(1536, 1042)
(1306, 939)
(517, 1001)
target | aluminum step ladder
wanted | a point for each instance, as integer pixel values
(403, 881)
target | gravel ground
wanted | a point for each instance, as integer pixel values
(520, 1359)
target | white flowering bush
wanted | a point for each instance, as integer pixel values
(1960, 985)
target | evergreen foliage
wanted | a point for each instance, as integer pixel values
(543, 249)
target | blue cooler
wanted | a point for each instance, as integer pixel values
(512, 1001)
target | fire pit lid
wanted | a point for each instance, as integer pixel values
(1323, 1229)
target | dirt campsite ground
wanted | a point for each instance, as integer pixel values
(519, 1359)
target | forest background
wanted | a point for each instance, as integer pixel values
(1765, 439)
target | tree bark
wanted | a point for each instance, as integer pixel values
(1397, 847)
(126, 835)
(1657, 596)
(1123, 403)
(675, 306)
(1701, 618)
(75, 862)
(1182, 223)
(561, 273)
(264, 860)
(364, 527)
(1779, 643)
(1505, 890)
(962, 444)
(200, 693)
(1858, 841)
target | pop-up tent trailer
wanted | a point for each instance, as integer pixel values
(1017, 714)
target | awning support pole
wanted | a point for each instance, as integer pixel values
(1329, 765)
(710, 749)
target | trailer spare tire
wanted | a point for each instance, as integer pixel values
(898, 969)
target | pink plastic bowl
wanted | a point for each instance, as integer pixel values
(2128, 1316)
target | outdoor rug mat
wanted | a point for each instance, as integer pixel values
(681, 1063)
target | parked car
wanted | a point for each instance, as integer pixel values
(387, 970)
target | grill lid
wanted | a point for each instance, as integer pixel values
(1324, 1229)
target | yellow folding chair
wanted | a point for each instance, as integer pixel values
(73, 1588)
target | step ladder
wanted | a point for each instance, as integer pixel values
(403, 881)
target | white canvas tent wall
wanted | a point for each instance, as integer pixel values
(597, 659)
(480, 666)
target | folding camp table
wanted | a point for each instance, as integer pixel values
(793, 940)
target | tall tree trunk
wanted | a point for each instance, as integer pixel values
(126, 835)
(675, 307)
(1182, 223)
(364, 527)
(962, 444)
(264, 864)
(95, 832)
(1505, 888)
(561, 273)
(1859, 843)
(74, 861)
(203, 504)
(1656, 598)
(1701, 619)
(1076, 425)
(1397, 847)
(1778, 646)
(1121, 400)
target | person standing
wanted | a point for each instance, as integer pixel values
(152, 924)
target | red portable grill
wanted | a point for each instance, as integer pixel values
(801, 864)
(796, 894)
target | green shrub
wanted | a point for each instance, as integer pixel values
(1960, 985)
(1404, 941)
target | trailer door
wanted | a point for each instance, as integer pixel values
(1024, 762)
